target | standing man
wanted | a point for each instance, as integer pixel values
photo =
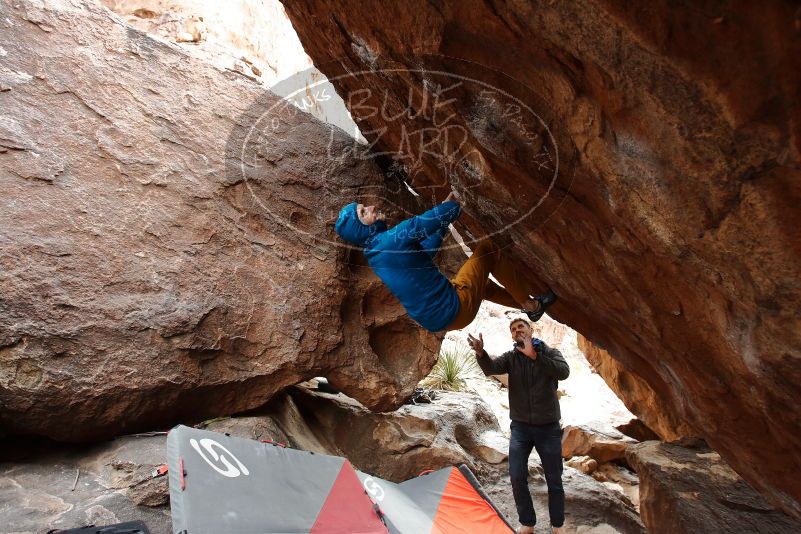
(534, 370)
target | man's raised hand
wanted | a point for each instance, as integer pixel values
(477, 344)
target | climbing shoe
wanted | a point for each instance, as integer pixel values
(544, 301)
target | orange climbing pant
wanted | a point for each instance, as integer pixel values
(473, 285)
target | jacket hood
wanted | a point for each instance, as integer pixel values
(351, 229)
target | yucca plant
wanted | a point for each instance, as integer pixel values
(456, 362)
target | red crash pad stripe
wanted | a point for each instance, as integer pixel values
(347, 508)
(462, 509)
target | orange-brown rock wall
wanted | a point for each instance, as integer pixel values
(670, 231)
(638, 396)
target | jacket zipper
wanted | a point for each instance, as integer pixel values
(528, 392)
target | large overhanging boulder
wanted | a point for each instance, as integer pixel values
(669, 226)
(637, 394)
(166, 242)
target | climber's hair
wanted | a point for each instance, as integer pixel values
(518, 320)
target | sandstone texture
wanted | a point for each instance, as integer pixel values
(638, 430)
(585, 464)
(112, 484)
(661, 203)
(693, 490)
(166, 242)
(620, 479)
(637, 394)
(457, 428)
(252, 37)
(602, 444)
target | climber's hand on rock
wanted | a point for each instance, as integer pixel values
(477, 344)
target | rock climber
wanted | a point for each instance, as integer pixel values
(534, 370)
(403, 258)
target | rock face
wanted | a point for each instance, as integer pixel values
(166, 242)
(637, 394)
(660, 203)
(250, 37)
(693, 490)
(113, 484)
(619, 478)
(253, 37)
(606, 445)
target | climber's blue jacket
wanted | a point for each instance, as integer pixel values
(403, 258)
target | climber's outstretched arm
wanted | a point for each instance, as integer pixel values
(432, 243)
(430, 225)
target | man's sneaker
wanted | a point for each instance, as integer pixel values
(525, 530)
(557, 530)
(544, 301)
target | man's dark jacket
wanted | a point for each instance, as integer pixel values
(532, 383)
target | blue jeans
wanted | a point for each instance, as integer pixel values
(547, 439)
